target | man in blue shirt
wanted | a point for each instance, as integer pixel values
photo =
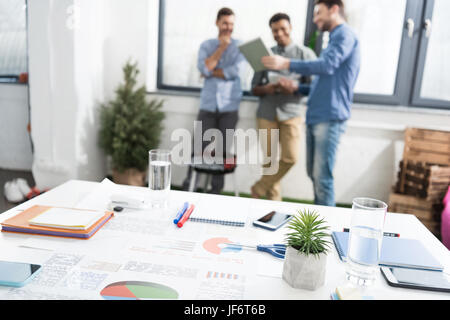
(220, 63)
(331, 94)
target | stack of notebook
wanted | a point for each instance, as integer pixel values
(61, 222)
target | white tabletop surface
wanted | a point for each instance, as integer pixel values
(146, 246)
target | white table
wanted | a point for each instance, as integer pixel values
(147, 246)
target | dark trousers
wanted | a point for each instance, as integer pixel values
(214, 120)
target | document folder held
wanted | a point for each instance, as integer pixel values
(254, 51)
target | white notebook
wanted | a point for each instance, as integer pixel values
(71, 219)
(220, 210)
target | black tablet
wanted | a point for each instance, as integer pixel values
(417, 279)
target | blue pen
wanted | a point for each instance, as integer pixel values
(181, 213)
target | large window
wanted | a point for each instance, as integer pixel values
(405, 44)
(436, 82)
(13, 40)
(432, 85)
(186, 24)
(379, 26)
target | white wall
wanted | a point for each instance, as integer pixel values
(66, 86)
(15, 144)
(77, 49)
(126, 29)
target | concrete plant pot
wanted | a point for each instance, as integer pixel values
(304, 272)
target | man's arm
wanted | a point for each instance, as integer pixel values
(218, 73)
(206, 64)
(212, 61)
(234, 70)
(258, 88)
(288, 87)
(202, 56)
(338, 51)
(263, 90)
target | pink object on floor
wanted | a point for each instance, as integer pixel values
(445, 227)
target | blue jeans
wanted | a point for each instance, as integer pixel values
(322, 142)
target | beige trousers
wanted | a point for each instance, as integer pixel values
(289, 138)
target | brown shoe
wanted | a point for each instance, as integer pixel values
(255, 194)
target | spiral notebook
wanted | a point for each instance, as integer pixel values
(395, 252)
(221, 210)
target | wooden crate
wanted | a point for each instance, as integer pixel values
(427, 212)
(423, 180)
(431, 147)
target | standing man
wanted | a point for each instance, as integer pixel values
(220, 63)
(331, 94)
(279, 107)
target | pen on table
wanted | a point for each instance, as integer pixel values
(181, 213)
(185, 216)
(386, 234)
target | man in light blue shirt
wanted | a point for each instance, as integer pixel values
(220, 63)
(331, 94)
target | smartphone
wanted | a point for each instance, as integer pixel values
(272, 221)
(417, 279)
(17, 274)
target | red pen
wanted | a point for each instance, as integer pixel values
(186, 216)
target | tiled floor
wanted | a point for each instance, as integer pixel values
(8, 175)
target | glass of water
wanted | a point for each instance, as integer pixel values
(365, 239)
(159, 177)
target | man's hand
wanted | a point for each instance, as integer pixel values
(218, 73)
(287, 86)
(224, 41)
(212, 61)
(272, 88)
(268, 89)
(276, 62)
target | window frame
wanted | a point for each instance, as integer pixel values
(420, 65)
(407, 56)
(410, 67)
(159, 80)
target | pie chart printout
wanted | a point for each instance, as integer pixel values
(219, 246)
(137, 290)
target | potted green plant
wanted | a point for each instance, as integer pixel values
(130, 126)
(306, 253)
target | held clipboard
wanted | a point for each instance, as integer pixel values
(253, 51)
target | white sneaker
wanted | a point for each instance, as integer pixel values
(23, 186)
(12, 192)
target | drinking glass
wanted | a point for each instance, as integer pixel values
(365, 239)
(159, 177)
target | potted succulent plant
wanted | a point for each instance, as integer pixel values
(130, 126)
(306, 254)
